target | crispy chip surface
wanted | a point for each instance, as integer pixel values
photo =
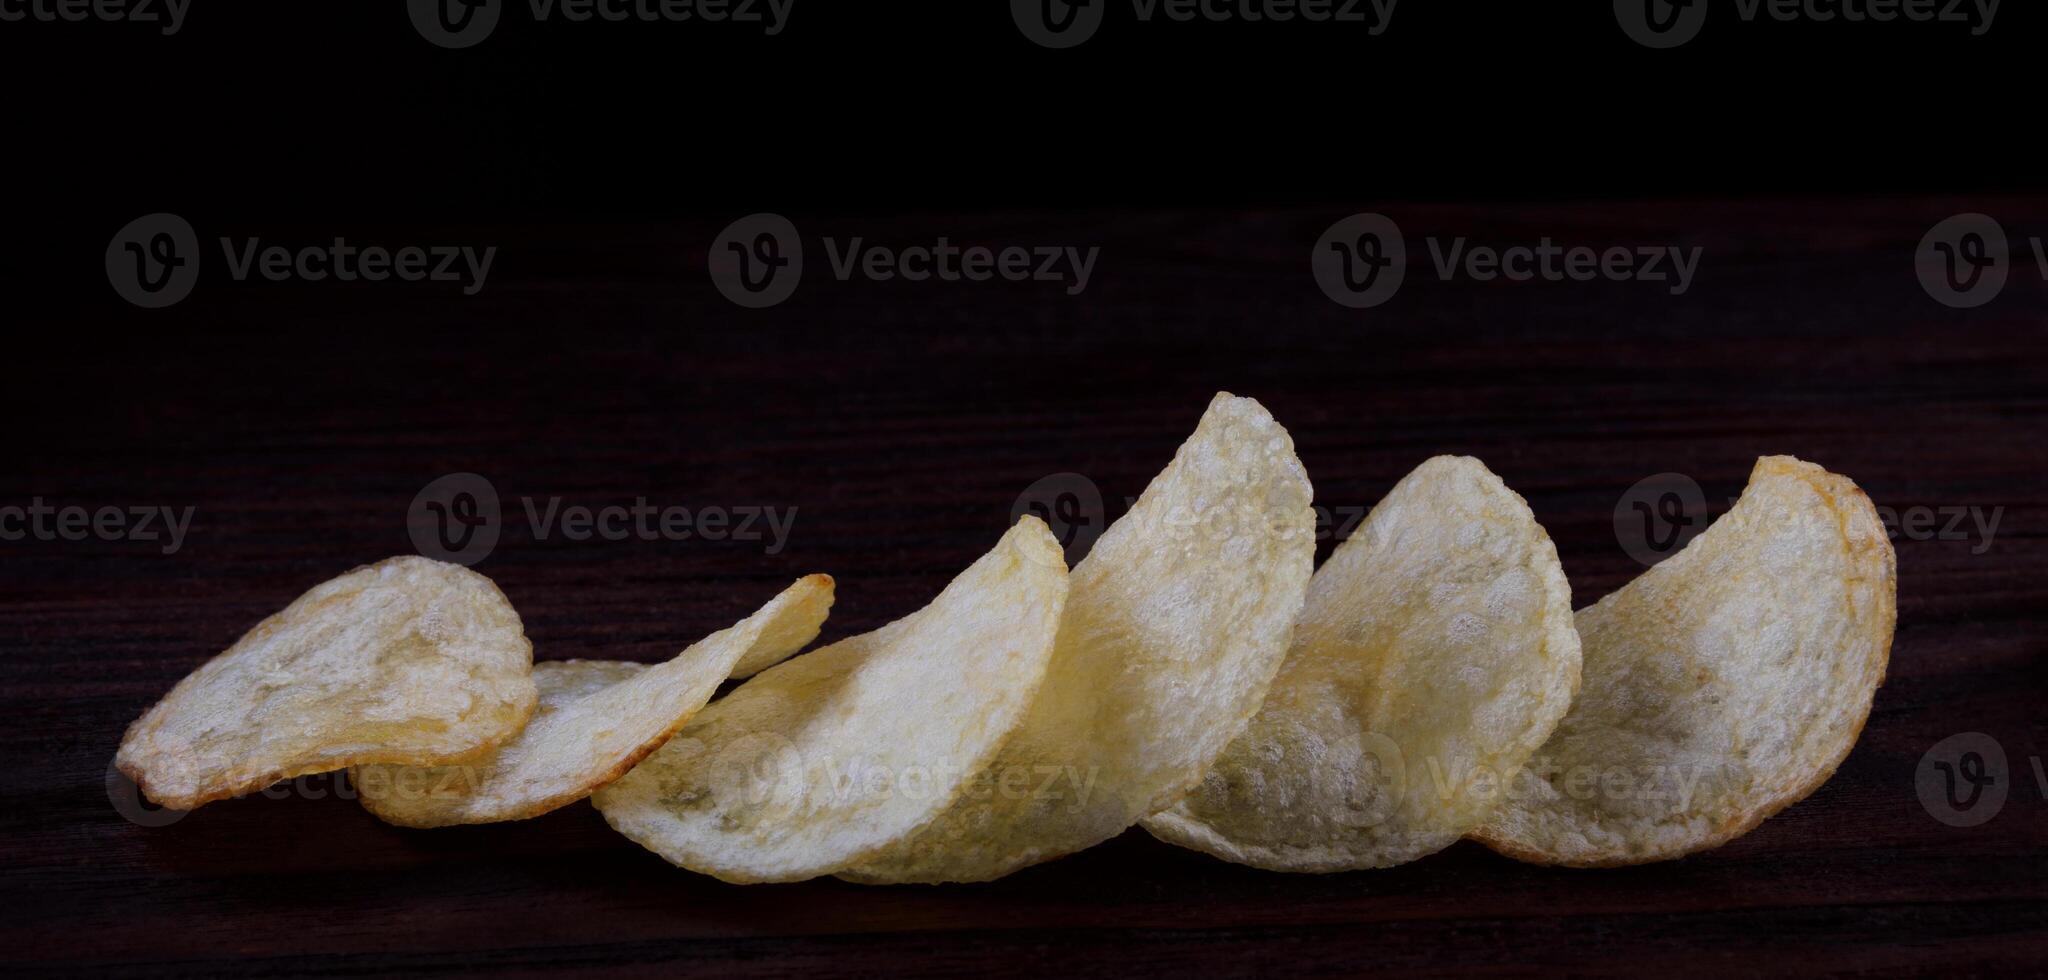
(596, 720)
(823, 759)
(1722, 685)
(407, 661)
(1178, 619)
(1434, 656)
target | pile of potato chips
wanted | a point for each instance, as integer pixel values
(1194, 675)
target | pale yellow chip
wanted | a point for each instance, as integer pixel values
(1434, 655)
(1179, 617)
(768, 653)
(408, 661)
(596, 720)
(1721, 686)
(821, 760)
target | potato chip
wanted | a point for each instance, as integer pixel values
(768, 653)
(596, 720)
(1179, 617)
(407, 661)
(821, 760)
(1434, 656)
(1722, 685)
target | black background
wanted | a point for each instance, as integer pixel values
(903, 419)
(266, 115)
(268, 110)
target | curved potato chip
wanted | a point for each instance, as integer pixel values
(1434, 656)
(596, 720)
(1179, 617)
(409, 660)
(823, 759)
(768, 653)
(1722, 685)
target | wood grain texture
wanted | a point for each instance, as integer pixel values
(902, 420)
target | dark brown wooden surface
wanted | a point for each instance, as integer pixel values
(902, 420)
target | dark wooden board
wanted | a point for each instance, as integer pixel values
(902, 420)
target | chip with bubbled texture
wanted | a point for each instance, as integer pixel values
(409, 661)
(1721, 686)
(1179, 617)
(596, 720)
(1434, 655)
(818, 761)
